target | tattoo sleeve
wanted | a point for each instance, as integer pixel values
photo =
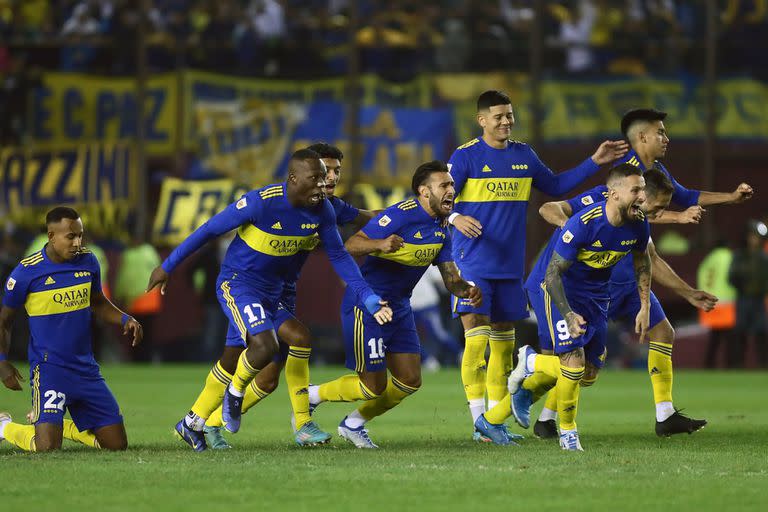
(642, 263)
(554, 281)
(453, 281)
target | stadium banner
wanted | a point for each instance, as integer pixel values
(97, 179)
(575, 110)
(185, 205)
(72, 108)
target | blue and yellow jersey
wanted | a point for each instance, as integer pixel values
(494, 186)
(393, 276)
(595, 247)
(682, 196)
(273, 238)
(57, 299)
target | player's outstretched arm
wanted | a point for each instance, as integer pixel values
(458, 286)
(104, 310)
(666, 276)
(742, 193)
(553, 279)
(363, 217)
(557, 184)
(642, 264)
(556, 213)
(691, 215)
(360, 244)
(8, 373)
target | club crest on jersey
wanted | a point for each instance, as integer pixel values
(384, 221)
(567, 237)
(10, 284)
(242, 203)
(587, 200)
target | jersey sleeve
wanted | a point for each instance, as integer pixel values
(246, 209)
(95, 273)
(384, 224)
(445, 253)
(681, 196)
(15, 288)
(345, 212)
(574, 236)
(643, 235)
(587, 199)
(458, 166)
(557, 184)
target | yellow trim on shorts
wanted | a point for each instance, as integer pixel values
(359, 341)
(233, 308)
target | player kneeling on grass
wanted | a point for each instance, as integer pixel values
(60, 288)
(372, 349)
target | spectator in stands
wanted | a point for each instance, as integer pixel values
(712, 276)
(749, 275)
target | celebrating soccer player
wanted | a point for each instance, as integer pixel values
(60, 289)
(494, 176)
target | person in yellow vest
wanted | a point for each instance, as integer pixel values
(712, 276)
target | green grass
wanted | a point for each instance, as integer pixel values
(426, 461)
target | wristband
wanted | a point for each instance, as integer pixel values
(3, 357)
(452, 216)
(125, 318)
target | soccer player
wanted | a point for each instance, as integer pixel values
(576, 281)
(60, 289)
(372, 349)
(275, 225)
(295, 346)
(647, 135)
(494, 176)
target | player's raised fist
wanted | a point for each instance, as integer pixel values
(10, 376)
(609, 151)
(742, 193)
(158, 277)
(392, 243)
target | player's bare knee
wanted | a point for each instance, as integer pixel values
(116, 445)
(376, 384)
(270, 385)
(47, 444)
(411, 380)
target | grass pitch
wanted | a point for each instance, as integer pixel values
(427, 460)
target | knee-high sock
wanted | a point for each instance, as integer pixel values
(347, 388)
(85, 437)
(213, 392)
(21, 436)
(660, 370)
(394, 393)
(549, 411)
(568, 395)
(546, 371)
(500, 412)
(244, 374)
(297, 380)
(253, 395)
(473, 368)
(499, 365)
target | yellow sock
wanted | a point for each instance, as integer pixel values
(348, 388)
(551, 401)
(253, 395)
(547, 364)
(297, 379)
(244, 373)
(85, 437)
(585, 383)
(499, 365)
(538, 384)
(21, 436)
(500, 412)
(568, 395)
(394, 393)
(473, 368)
(660, 369)
(213, 392)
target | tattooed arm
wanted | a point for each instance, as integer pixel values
(642, 263)
(458, 286)
(554, 283)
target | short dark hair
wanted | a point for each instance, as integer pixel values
(424, 171)
(61, 212)
(305, 154)
(640, 114)
(492, 98)
(325, 150)
(622, 171)
(657, 183)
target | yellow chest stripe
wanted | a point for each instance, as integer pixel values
(59, 300)
(486, 190)
(600, 259)
(413, 255)
(277, 245)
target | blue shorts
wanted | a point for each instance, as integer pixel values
(286, 310)
(553, 329)
(625, 304)
(56, 389)
(503, 299)
(248, 311)
(366, 343)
